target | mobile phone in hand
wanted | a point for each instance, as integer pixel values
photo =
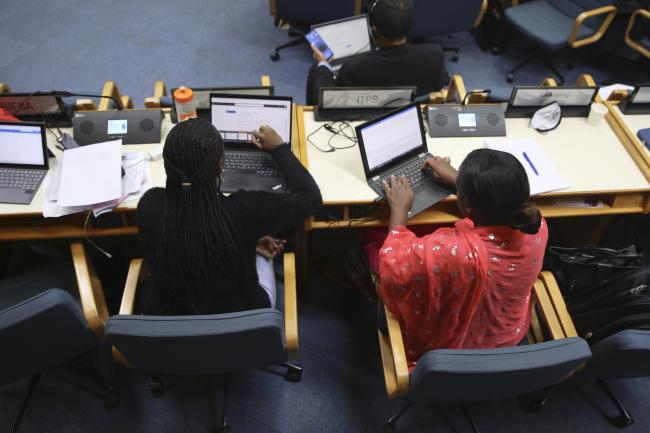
(314, 39)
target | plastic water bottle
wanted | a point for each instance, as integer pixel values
(185, 106)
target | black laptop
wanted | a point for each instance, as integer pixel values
(23, 161)
(236, 117)
(395, 145)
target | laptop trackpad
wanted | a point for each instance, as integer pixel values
(14, 196)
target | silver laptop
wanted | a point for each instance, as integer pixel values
(346, 38)
(23, 161)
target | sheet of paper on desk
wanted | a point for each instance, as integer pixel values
(543, 176)
(91, 174)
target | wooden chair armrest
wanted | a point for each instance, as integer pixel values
(159, 90)
(456, 88)
(290, 306)
(110, 89)
(438, 97)
(357, 7)
(618, 95)
(610, 11)
(547, 311)
(549, 82)
(393, 357)
(84, 105)
(90, 289)
(266, 81)
(137, 273)
(557, 300)
(4, 88)
(272, 8)
(585, 80)
(638, 47)
(481, 14)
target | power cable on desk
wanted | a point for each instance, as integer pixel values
(337, 129)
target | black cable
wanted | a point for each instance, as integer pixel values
(336, 129)
(475, 92)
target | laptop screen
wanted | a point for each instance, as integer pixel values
(22, 144)
(392, 137)
(641, 95)
(236, 117)
(346, 37)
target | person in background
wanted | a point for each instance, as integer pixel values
(467, 286)
(201, 245)
(394, 63)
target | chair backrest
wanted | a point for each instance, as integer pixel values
(42, 332)
(573, 8)
(207, 344)
(440, 17)
(625, 354)
(314, 11)
(464, 376)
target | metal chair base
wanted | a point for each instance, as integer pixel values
(624, 419)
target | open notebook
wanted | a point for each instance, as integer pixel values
(543, 176)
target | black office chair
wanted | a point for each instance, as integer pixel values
(301, 14)
(46, 323)
(553, 25)
(436, 18)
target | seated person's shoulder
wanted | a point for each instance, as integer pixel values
(427, 50)
(151, 202)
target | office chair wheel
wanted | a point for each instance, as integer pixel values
(621, 421)
(495, 50)
(389, 427)
(156, 386)
(510, 78)
(275, 56)
(535, 405)
(112, 398)
(224, 429)
(293, 374)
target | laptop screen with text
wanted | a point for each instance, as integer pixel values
(21, 144)
(346, 37)
(392, 137)
(236, 117)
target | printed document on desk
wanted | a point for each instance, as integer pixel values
(543, 176)
(91, 174)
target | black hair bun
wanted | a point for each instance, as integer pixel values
(527, 218)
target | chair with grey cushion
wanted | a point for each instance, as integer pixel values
(438, 18)
(466, 376)
(554, 25)
(639, 42)
(45, 323)
(216, 344)
(300, 14)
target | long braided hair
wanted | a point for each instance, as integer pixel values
(195, 239)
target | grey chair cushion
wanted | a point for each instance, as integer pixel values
(41, 331)
(545, 24)
(434, 18)
(208, 344)
(463, 376)
(623, 355)
(23, 286)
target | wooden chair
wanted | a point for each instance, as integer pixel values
(4, 88)
(641, 47)
(110, 89)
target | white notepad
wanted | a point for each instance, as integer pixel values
(91, 174)
(543, 176)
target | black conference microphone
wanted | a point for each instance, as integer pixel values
(66, 94)
(475, 92)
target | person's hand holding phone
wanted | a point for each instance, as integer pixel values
(318, 56)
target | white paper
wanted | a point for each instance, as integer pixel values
(91, 174)
(581, 203)
(542, 174)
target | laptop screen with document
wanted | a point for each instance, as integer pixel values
(237, 116)
(22, 145)
(391, 138)
(346, 37)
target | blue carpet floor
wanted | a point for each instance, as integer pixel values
(76, 45)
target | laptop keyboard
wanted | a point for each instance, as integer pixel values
(413, 173)
(18, 178)
(257, 163)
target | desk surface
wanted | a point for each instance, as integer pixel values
(591, 158)
(634, 122)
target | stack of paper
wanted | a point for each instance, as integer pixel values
(89, 178)
(543, 176)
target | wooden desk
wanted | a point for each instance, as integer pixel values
(26, 222)
(592, 159)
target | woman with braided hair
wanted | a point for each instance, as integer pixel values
(201, 245)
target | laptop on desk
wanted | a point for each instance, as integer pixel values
(236, 117)
(202, 97)
(360, 103)
(395, 145)
(345, 38)
(23, 161)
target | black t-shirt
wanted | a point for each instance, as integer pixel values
(254, 214)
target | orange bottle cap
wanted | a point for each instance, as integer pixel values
(183, 94)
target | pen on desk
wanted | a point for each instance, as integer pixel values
(531, 164)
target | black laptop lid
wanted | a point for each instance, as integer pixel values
(391, 139)
(23, 145)
(202, 97)
(639, 100)
(575, 101)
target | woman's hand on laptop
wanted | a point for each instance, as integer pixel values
(266, 138)
(399, 196)
(318, 56)
(441, 170)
